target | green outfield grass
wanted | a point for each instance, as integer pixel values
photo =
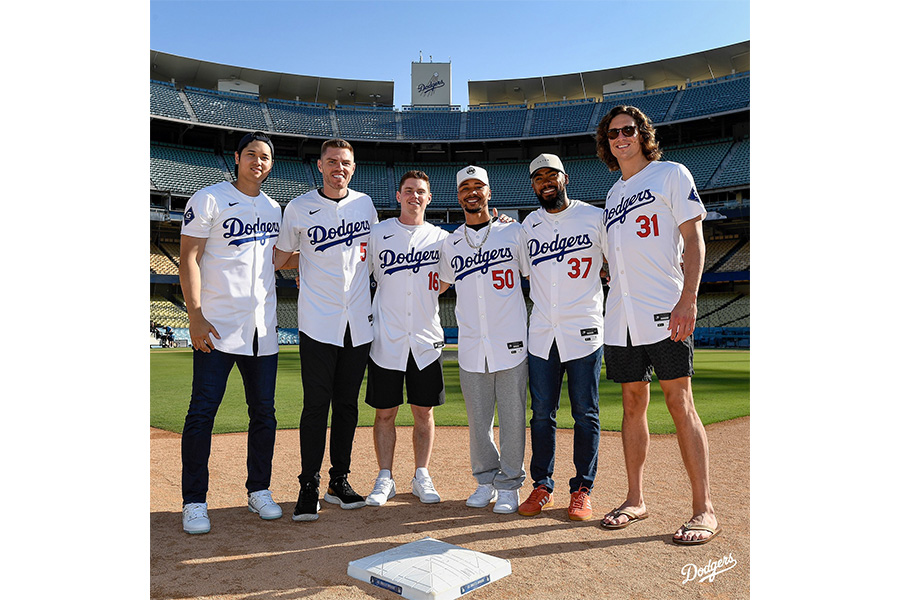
(721, 392)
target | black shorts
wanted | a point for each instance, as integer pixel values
(670, 360)
(384, 388)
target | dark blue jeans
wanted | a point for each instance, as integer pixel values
(211, 372)
(545, 382)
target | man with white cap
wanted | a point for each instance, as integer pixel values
(484, 258)
(565, 336)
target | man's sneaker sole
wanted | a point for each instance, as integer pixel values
(433, 500)
(345, 505)
(261, 516)
(392, 491)
(308, 516)
(532, 513)
(199, 531)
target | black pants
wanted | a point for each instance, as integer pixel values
(331, 377)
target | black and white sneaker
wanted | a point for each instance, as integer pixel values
(308, 506)
(340, 492)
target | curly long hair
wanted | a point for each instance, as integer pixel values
(649, 145)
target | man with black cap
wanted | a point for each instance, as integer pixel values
(483, 258)
(565, 335)
(228, 281)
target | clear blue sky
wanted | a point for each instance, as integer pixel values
(498, 39)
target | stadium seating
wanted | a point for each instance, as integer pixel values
(165, 101)
(366, 123)
(184, 170)
(224, 108)
(165, 312)
(724, 94)
(653, 103)
(716, 250)
(735, 170)
(288, 179)
(562, 118)
(304, 118)
(484, 123)
(420, 124)
(230, 109)
(702, 159)
(160, 263)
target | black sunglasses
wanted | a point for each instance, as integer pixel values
(628, 130)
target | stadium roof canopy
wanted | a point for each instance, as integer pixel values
(589, 84)
(307, 88)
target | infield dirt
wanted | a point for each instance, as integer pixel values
(552, 557)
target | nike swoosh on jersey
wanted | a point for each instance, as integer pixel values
(233, 203)
(312, 212)
(389, 236)
(457, 241)
(536, 224)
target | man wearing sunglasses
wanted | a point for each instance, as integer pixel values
(565, 334)
(654, 245)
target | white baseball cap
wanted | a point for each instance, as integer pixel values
(546, 160)
(472, 172)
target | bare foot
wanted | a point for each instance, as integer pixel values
(699, 530)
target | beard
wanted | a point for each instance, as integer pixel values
(554, 202)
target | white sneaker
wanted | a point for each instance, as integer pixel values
(483, 495)
(194, 518)
(507, 502)
(424, 489)
(383, 491)
(261, 502)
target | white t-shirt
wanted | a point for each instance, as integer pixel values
(644, 248)
(332, 237)
(565, 251)
(404, 261)
(490, 306)
(237, 274)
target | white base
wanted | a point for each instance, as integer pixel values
(429, 569)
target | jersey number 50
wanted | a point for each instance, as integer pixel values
(503, 279)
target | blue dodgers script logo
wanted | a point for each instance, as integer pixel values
(617, 214)
(540, 251)
(249, 232)
(481, 261)
(345, 233)
(391, 262)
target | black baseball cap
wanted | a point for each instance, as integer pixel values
(258, 136)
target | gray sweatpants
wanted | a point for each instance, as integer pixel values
(505, 390)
